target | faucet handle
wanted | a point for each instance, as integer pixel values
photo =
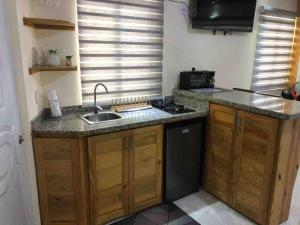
(99, 108)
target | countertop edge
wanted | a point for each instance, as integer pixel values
(43, 133)
(212, 99)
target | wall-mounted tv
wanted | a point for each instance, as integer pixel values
(224, 15)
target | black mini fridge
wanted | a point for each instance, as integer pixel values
(183, 157)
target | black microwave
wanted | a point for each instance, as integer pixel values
(197, 79)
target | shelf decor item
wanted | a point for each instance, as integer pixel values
(35, 57)
(69, 60)
(52, 59)
(38, 56)
(41, 56)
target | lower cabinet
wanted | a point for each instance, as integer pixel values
(125, 172)
(240, 158)
(145, 168)
(108, 172)
(220, 152)
(60, 179)
(94, 180)
(253, 163)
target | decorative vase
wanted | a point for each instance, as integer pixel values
(35, 57)
(41, 57)
(53, 60)
(68, 61)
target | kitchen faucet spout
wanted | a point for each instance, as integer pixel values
(96, 107)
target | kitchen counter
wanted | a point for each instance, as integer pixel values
(72, 125)
(275, 107)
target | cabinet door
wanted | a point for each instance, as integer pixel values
(108, 163)
(145, 168)
(220, 142)
(257, 141)
(60, 183)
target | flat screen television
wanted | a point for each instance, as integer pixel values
(224, 15)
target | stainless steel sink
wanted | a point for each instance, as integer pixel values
(100, 117)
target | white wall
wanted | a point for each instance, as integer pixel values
(67, 84)
(232, 57)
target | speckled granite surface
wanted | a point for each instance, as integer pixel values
(72, 125)
(265, 105)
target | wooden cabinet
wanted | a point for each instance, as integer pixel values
(108, 163)
(60, 181)
(125, 170)
(220, 152)
(240, 155)
(145, 169)
(95, 180)
(254, 159)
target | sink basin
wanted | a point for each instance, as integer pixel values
(100, 117)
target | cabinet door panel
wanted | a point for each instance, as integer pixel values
(257, 142)
(220, 151)
(59, 180)
(145, 168)
(108, 157)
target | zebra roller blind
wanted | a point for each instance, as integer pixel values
(273, 51)
(121, 45)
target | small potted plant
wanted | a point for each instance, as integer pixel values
(52, 59)
(69, 60)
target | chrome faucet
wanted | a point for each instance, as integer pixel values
(96, 107)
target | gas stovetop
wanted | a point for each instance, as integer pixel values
(171, 107)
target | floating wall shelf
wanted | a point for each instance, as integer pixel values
(36, 69)
(49, 24)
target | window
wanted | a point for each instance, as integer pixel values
(121, 45)
(273, 51)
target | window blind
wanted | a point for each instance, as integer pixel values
(273, 51)
(121, 46)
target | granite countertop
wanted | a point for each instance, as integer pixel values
(72, 125)
(275, 107)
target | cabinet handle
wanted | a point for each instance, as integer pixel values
(234, 123)
(58, 202)
(159, 162)
(237, 125)
(124, 186)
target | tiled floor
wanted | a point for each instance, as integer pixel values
(167, 214)
(206, 210)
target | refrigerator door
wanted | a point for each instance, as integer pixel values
(183, 153)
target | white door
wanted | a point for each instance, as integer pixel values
(12, 207)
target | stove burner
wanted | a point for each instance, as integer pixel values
(171, 107)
